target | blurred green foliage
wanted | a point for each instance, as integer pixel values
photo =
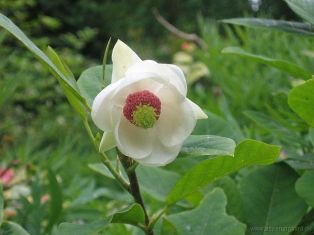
(43, 141)
(75, 24)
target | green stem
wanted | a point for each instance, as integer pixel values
(128, 165)
(156, 217)
(133, 187)
(105, 160)
(89, 132)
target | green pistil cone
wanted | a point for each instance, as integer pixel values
(144, 116)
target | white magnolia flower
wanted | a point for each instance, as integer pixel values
(144, 111)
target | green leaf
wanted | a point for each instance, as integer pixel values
(90, 192)
(286, 66)
(200, 145)
(277, 130)
(1, 204)
(75, 103)
(167, 228)
(247, 153)
(162, 181)
(304, 162)
(91, 81)
(133, 215)
(55, 200)
(304, 187)
(61, 65)
(235, 203)
(104, 60)
(261, 119)
(222, 127)
(11, 228)
(265, 121)
(81, 229)
(311, 135)
(63, 68)
(120, 229)
(101, 168)
(271, 201)
(209, 217)
(288, 26)
(304, 8)
(301, 101)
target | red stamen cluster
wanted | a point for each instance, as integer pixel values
(141, 98)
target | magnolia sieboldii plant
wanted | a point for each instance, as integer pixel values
(144, 111)
(145, 114)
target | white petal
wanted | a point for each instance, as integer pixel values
(133, 141)
(122, 58)
(102, 108)
(176, 121)
(107, 142)
(179, 81)
(164, 73)
(130, 86)
(161, 155)
(198, 112)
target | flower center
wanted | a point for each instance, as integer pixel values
(142, 109)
